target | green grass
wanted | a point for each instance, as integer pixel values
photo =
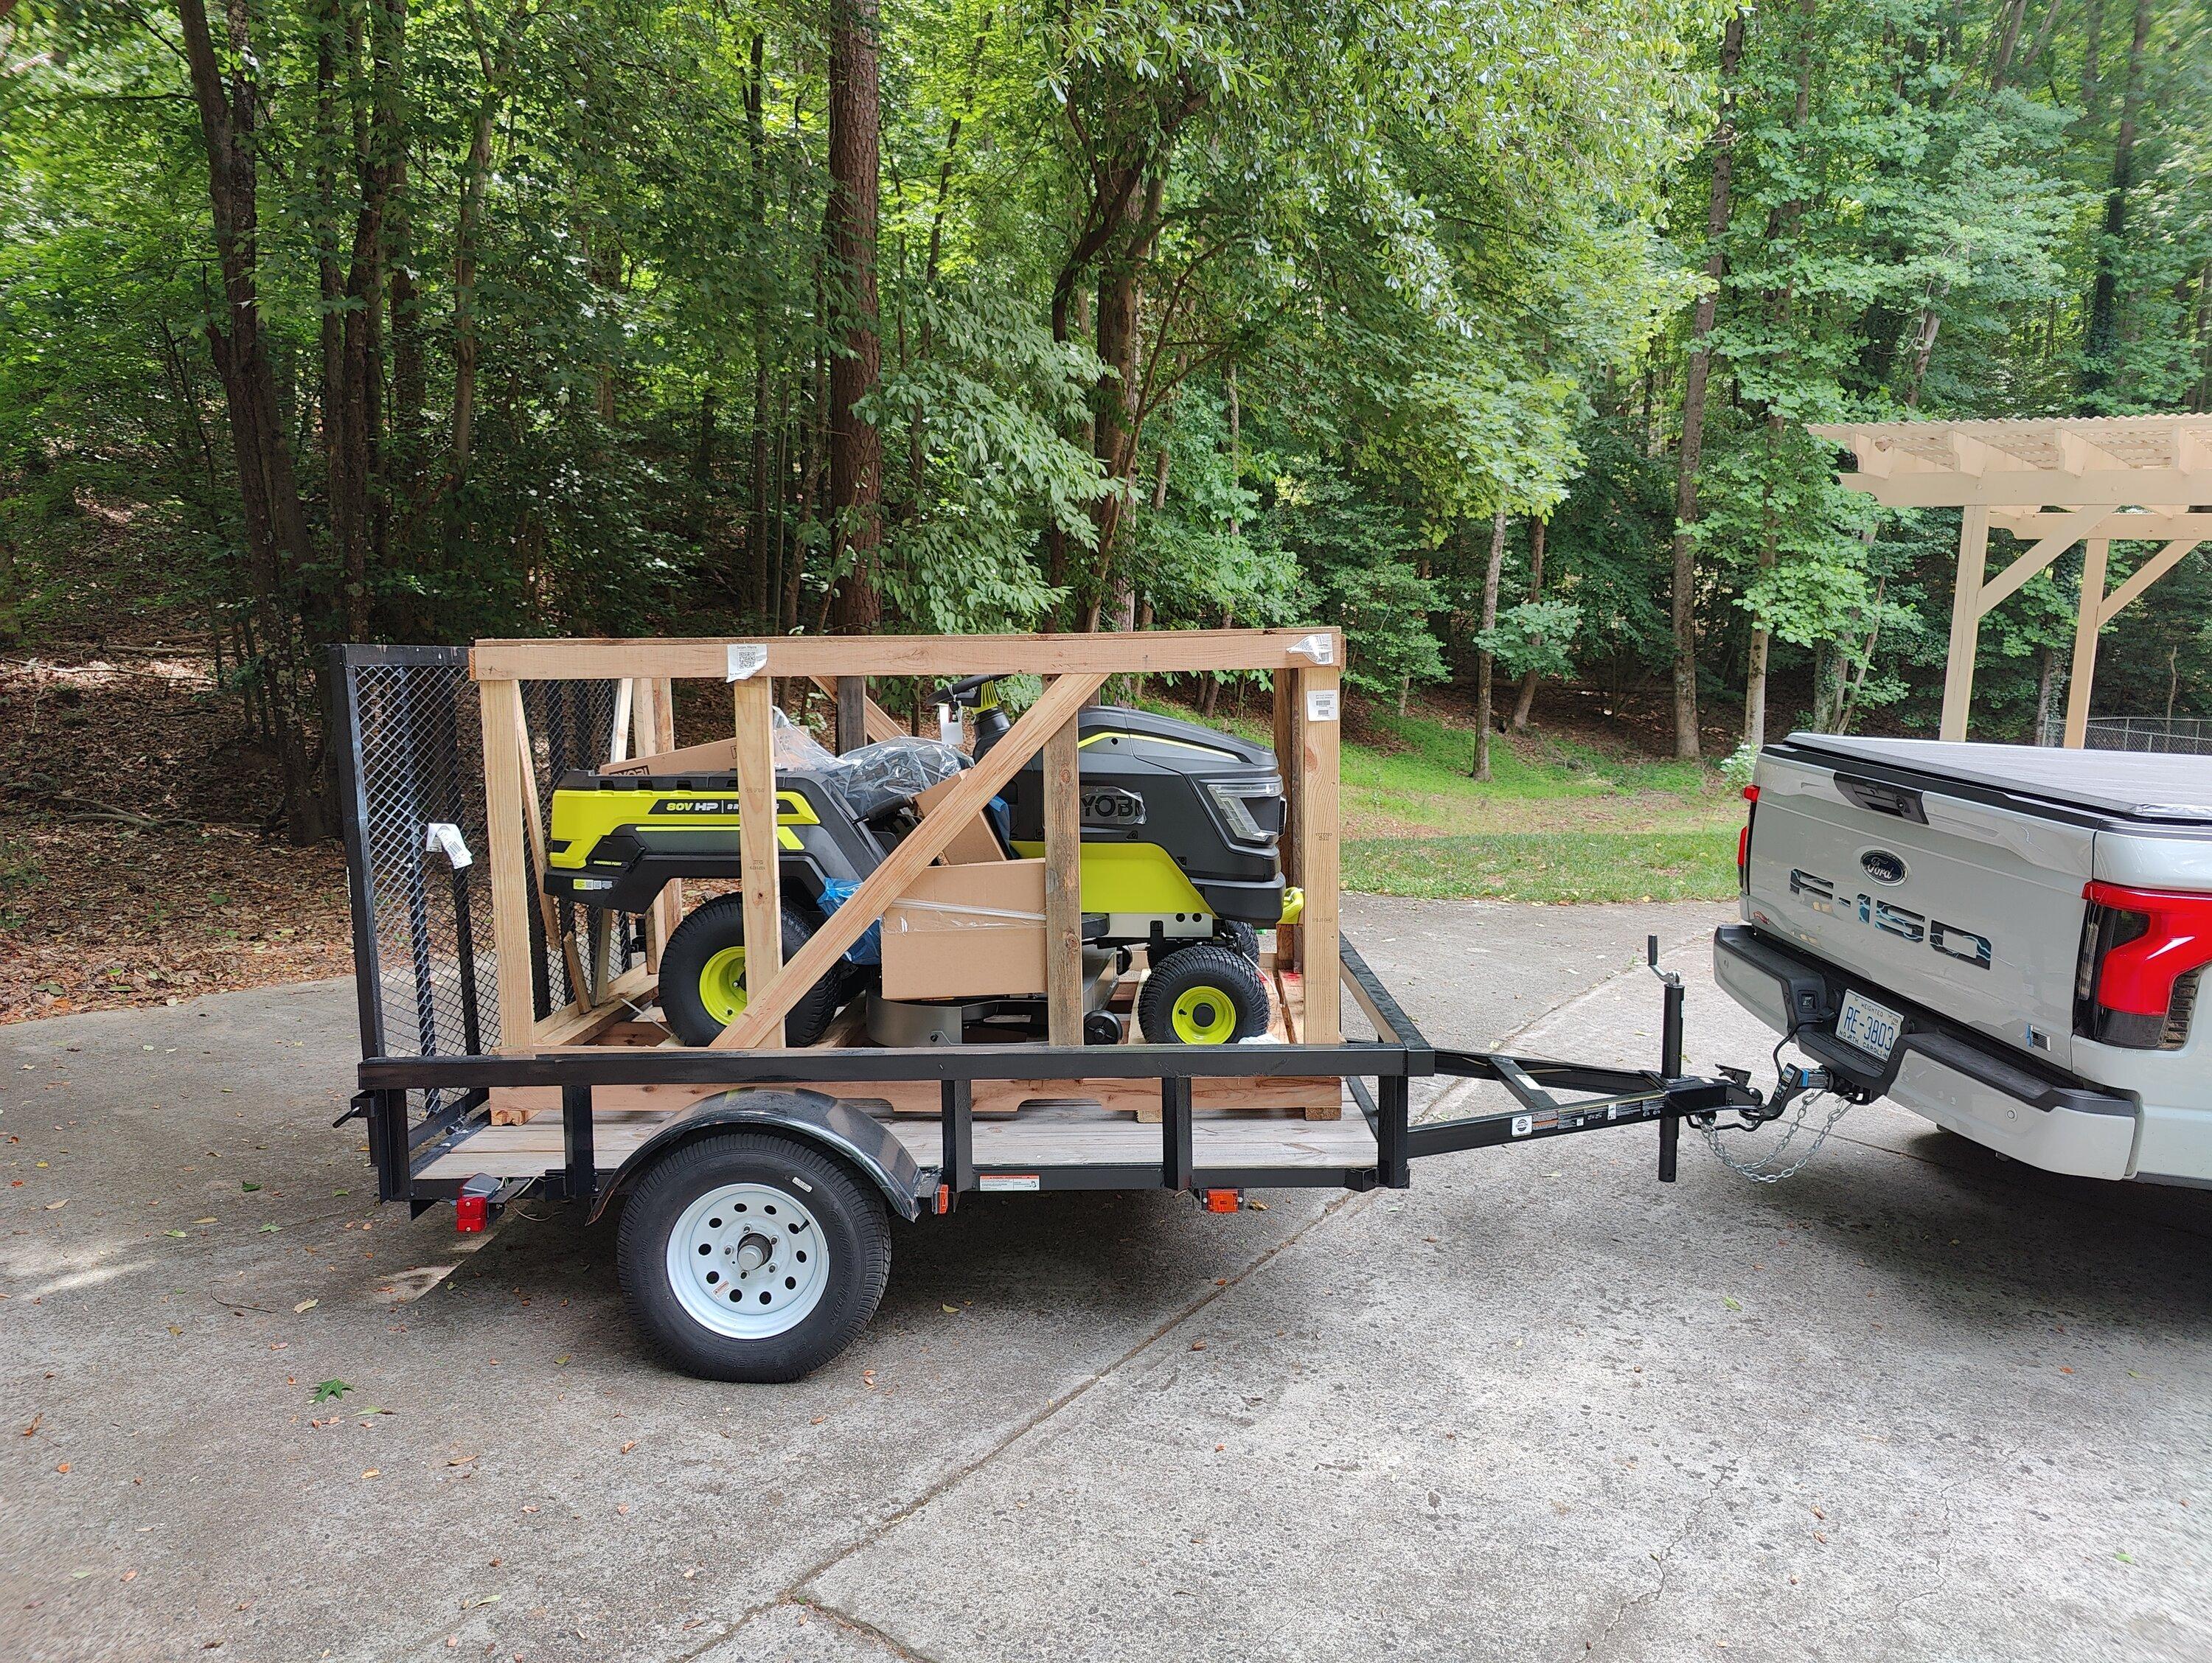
(1546, 866)
(1560, 820)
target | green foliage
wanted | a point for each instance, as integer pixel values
(1402, 268)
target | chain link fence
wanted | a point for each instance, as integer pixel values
(2184, 735)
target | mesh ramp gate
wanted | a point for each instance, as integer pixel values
(411, 752)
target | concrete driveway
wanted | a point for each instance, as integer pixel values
(1912, 1403)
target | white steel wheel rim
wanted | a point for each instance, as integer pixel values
(748, 1260)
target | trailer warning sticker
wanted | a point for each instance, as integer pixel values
(989, 1181)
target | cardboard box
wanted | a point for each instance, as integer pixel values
(967, 931)
(715, 756)
(975, 843)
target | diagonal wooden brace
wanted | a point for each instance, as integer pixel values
(763, 1018)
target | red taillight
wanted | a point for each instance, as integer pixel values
(2137, 976)
(1743, 840)
(469, 1214)
(1224, 1201)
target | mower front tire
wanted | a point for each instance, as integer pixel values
(703, 969)
(1207, 994)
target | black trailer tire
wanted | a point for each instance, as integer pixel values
(745, 1256)
(697, 968)
(1208, 994)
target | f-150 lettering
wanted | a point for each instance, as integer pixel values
(1948, 939)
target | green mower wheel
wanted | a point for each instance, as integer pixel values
(702, 975)
(1208, 994)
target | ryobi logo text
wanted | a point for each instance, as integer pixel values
(1110, 805)
(1902, 922)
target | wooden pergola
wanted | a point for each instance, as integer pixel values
(2052, 482)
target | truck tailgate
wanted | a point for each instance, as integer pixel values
(1960, 902)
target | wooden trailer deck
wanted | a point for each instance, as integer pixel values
(1046, 1133)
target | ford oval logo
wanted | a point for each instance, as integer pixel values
(1882, 866)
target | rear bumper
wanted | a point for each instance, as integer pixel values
(1959, 1079)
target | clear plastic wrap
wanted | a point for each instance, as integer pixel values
(792, 749)
(874, 777)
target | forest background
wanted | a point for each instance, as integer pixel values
(1487, 329)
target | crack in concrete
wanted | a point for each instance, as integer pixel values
(1664, 1558)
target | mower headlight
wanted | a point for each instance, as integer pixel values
(1236, 802)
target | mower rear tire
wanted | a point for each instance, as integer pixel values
(1235, 932)
(1208, 994)
(702, 975)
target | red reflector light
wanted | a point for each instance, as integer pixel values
(2137, 976)
(1224, 1201)
(1751, 793)
(944, 1198)
(469, 1214)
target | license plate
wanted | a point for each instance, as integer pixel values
(1870, 1027)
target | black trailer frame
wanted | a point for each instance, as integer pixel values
(403, 728)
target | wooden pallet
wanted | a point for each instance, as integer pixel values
(1316, 1097)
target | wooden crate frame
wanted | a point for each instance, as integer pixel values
(1306, 664)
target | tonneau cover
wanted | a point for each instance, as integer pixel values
(2131, 784)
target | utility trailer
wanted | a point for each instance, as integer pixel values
(758, 1182)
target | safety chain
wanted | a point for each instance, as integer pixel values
(1762, 1171)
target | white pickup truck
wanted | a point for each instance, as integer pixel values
(2007, 940)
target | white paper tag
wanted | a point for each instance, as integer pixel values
(747, 659)
(948, 724)
(439, 838)
(1319, 647)
(1321, 705)
(989, 1182)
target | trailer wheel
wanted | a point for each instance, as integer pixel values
(744, 1256)
(1208, 994)
(702, 975)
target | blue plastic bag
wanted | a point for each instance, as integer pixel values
(869, 948)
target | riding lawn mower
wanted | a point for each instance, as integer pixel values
(1180, 829)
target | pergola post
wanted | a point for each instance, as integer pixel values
(1966, 618)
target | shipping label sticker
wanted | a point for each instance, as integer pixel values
(439, 838)
(746, 660)
(1322, 704)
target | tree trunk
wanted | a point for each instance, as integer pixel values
(759, 593)
(2102, 338)
(1527, 702)
(1114, 401)
(1754, 687)
(856, 454)
(1482, 663)
(278, 549)
(2046, 692)
(1685, 610)
(495, 61)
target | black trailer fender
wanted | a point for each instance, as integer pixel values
(810, 1116)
